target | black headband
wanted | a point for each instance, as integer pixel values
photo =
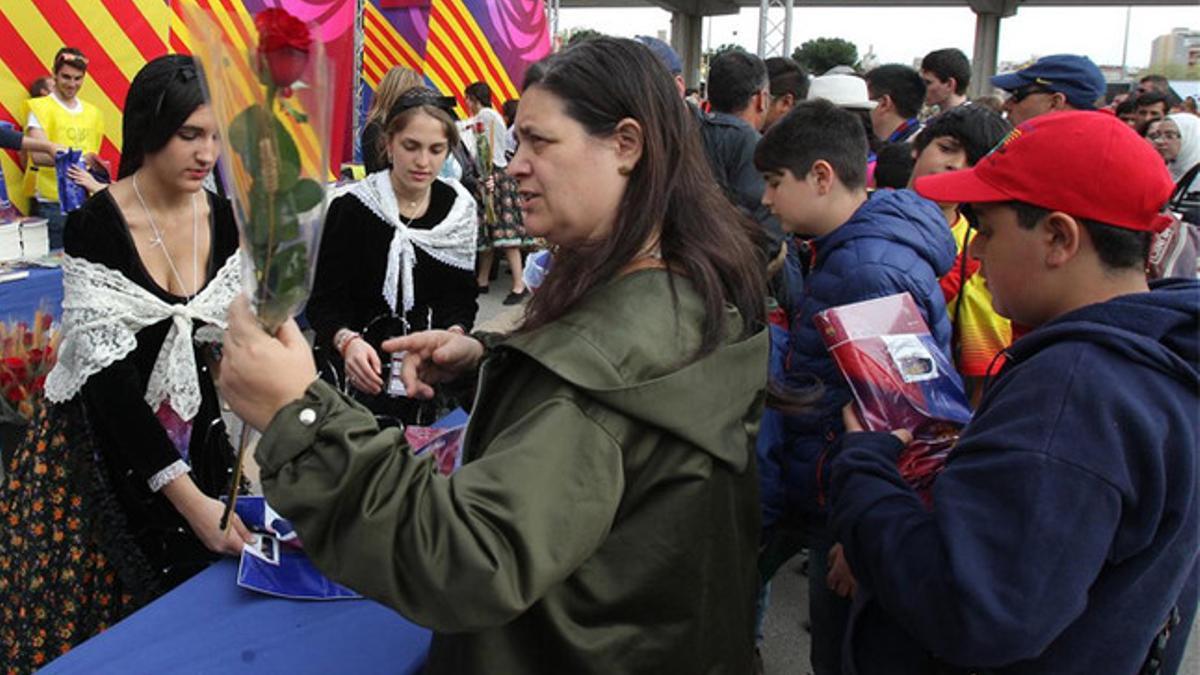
(419, 96)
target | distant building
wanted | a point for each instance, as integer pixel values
(870, 60)
(1180, 47)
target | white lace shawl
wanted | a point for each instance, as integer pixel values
(102, 312)
(451, 241)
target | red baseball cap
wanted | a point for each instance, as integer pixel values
(1079, 162)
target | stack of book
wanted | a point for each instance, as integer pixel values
(35, 237)
(10, 241)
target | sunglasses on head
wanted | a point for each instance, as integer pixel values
(1028, 90)
(72, 59)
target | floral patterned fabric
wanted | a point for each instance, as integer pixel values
(59, 585)
(508, 231)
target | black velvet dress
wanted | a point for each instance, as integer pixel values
(87, 540)
(134, 444)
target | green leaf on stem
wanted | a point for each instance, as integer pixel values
(307, 194)
(286, 284)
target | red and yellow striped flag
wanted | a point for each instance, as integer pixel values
(458, 54)
(384, 47)
(118, 37)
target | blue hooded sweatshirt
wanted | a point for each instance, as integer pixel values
(1066, 525)
(895, 242)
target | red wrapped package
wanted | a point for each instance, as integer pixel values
(900, 379)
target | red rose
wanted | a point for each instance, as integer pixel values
(283, 44)
(479, 127)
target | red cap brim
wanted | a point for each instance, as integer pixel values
(961, 187)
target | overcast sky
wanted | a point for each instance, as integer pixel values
(900, 34)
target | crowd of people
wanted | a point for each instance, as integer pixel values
(665, 426)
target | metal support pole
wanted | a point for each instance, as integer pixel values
(356, 136)
(764, 17)
(983, 62)
(551, 8)
(774, 36)
(687, 33)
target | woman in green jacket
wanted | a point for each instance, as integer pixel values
(606, 516)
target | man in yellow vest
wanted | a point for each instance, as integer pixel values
(64, 119)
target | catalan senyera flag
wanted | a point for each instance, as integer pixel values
(459, 42)
(458, 54)
(384, 47)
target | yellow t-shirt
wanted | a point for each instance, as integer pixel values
(982, 333)
(82, 129)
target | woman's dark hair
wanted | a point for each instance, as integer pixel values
(413, 102)
(164, 93)
(703, 236)
(509, 110)
(480, 92)
(533, 74)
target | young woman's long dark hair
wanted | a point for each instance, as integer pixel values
(163, 94)
(602, 82)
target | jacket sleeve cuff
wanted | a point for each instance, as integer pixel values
(294, 428)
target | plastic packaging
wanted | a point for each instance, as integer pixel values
(70, 195)
(537, 265)
(900, 379)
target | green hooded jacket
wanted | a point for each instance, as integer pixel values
(606, 516)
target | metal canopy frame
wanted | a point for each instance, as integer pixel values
(774, 30)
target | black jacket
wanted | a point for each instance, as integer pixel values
(729, 143)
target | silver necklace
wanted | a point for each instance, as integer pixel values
(412, 205)
(158, 241)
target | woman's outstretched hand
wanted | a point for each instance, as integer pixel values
(434, 356)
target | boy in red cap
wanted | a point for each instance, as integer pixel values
(1065, 530)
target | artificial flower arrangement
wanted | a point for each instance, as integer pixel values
(271, 108)
(27, 354)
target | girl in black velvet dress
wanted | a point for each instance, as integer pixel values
(397, 255)
(111, 498)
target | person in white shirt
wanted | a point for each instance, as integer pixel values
(500, 222)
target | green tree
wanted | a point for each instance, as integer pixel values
(1173, 71)
(821, 54)
(581, 34)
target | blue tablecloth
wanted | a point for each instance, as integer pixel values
(20, 298)
(210, 625)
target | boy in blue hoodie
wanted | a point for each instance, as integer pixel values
(1065, 530)
(814, 161)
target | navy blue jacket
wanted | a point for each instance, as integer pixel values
(1066, 524)
(895, 242)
